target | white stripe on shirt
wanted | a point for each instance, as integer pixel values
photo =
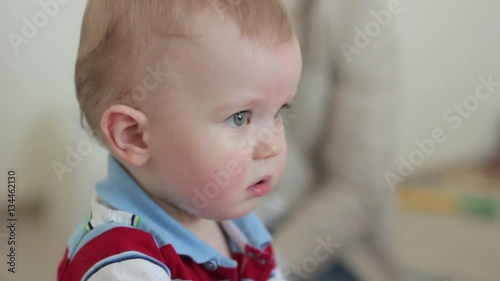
(131, 270)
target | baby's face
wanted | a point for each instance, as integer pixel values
(220, 130)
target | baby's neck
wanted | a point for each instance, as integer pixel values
(212, 233)
(209, 231)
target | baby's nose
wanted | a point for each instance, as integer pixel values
(269, 149)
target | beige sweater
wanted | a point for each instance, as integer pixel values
(341, 140)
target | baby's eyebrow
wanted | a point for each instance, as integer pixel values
(249, 102)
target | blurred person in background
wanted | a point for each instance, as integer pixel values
(331, 213)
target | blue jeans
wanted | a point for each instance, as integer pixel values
(337, 272)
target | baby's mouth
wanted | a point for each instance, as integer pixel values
(261, 187)
(264, 179)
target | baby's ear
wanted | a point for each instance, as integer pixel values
(124, 129)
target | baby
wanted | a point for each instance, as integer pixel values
(188, 96)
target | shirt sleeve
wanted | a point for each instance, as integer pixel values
(131, 270)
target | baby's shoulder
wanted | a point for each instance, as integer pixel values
(117, 233)
(100, 245)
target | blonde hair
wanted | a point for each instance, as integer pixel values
(119, 36)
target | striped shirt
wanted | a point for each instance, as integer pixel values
(126, 236)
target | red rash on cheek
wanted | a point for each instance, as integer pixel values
(229, 177)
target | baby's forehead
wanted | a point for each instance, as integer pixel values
(235, 66)
(217, 51)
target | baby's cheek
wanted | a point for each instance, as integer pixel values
(229, 176)
(225, 177)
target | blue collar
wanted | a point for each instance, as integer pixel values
(122, 192)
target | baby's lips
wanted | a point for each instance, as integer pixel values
(266, 178)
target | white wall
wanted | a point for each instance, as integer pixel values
(39, 114)
(444, 47)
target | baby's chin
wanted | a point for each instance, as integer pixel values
(232, 212)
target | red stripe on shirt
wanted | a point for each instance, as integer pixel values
(112, 242)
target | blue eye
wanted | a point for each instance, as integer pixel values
(239, 119)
